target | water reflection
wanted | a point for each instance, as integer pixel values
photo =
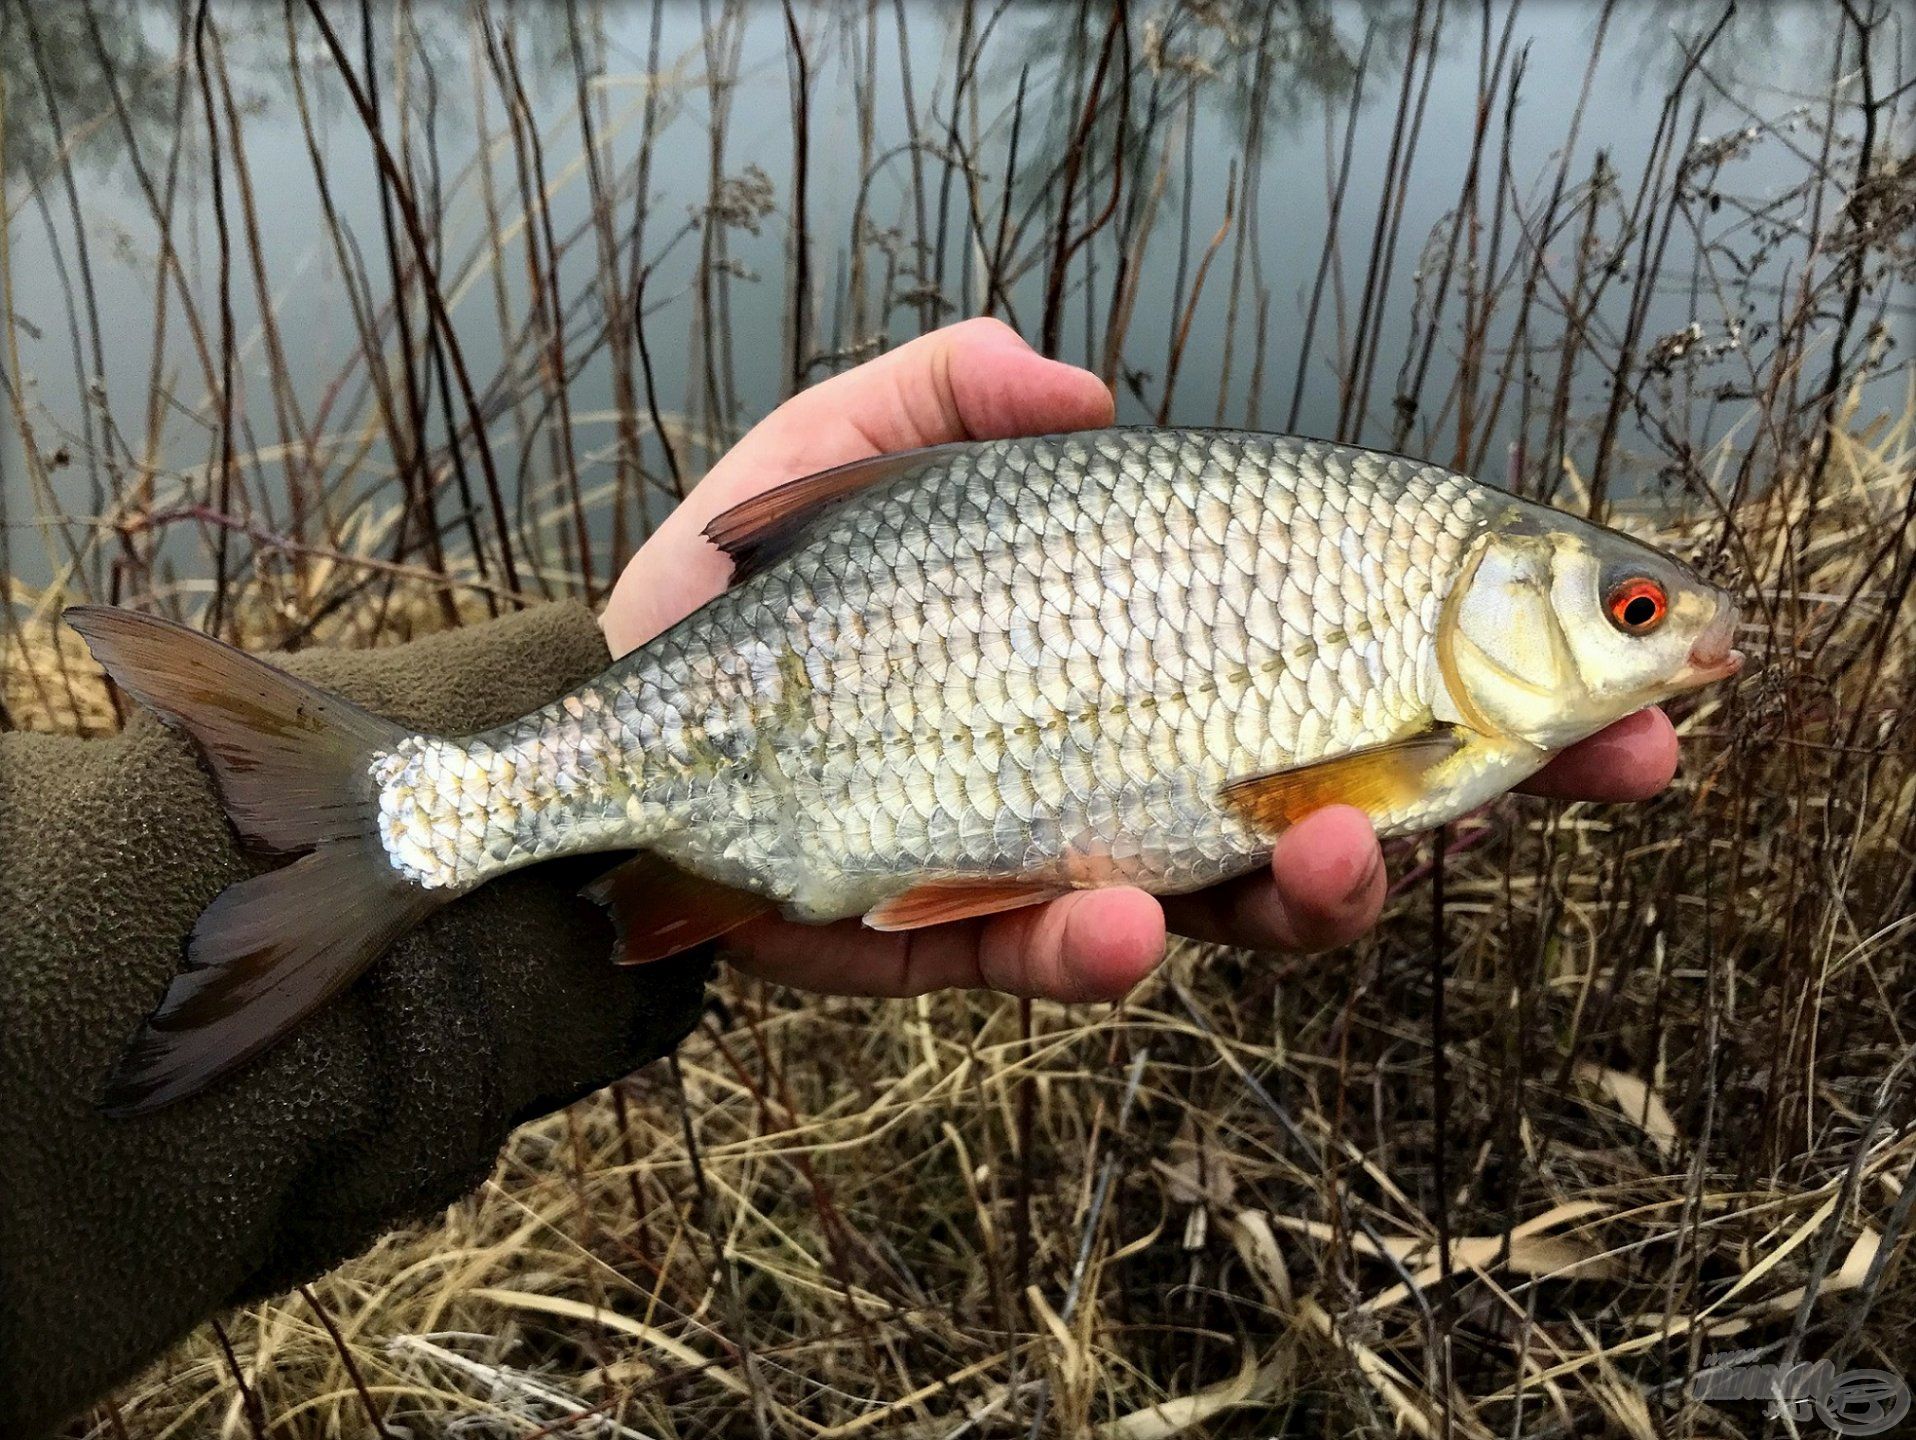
(61, 63)
(1399, 221)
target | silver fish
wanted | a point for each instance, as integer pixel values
(944, 684)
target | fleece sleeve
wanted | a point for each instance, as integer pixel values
(118, 1236)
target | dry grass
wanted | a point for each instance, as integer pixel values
(1665, 1108)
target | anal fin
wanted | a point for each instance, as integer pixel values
(659, 910)
(1377, 780)
(937, 902)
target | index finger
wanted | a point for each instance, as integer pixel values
(1090, 945)
(1631, 760)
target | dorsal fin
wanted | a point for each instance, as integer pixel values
(759, 532)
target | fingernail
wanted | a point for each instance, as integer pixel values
(1361, 889)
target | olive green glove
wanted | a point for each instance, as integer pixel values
(118, 1236)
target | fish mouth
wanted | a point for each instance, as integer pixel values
(1711, 655)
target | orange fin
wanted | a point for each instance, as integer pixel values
(759, 532)
(937, 901)
(658, 909)
(1376, 779)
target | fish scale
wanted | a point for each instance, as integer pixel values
(1042, 658)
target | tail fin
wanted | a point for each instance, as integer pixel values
(293, 764)
(291, 758)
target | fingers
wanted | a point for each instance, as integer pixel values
(972, 381)
(1324, 888)
(1093, 945)
(1631, 760)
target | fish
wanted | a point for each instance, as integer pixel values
(941, 684)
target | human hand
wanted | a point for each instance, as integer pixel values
(978, 381)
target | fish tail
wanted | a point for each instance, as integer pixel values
(294, 767)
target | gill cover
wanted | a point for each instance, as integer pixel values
(1503, 661)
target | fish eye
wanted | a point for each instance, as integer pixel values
(1637, 606)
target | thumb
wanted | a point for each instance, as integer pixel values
(977, 380)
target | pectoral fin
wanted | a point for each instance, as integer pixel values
(1377, 780)
(939, 901)
(658, 909)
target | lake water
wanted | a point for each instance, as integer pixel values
(1195, 86)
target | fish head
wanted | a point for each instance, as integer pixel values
(1559, 626)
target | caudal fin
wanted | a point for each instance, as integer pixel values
(293, 763)
(263, 956)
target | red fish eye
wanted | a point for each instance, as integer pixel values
(1638, 606)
